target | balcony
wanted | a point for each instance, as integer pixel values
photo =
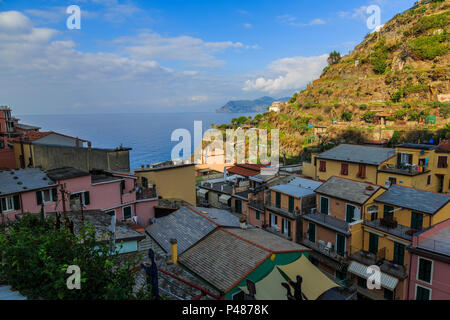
(404, 169)
(328, 222)
(323, 248)
(386, 266)
(257, 205)
(144, 194)
(391, 227)
(283, 212)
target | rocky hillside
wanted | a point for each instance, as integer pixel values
(400, 70)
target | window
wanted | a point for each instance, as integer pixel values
(324, 205)
(273, 221)
(238, 204)
(388, 212)
(312, 232)
(144, 182)
(425, 270)
(429, 180)
(362, 171)
(340, 245)
(416, 220)
(373, 243)
(404, 158)
(258, 215)
(340, 275)
(350, 214)
(278, 200)
(85, 197)
(122, 186)
(442, 162)
(291, 204)
(322, 166)
(344, 169)
(45, 196)
(392, 180)
(126, 212)
(423, 293)
(388, 294)
(399, 253)
(10, 203)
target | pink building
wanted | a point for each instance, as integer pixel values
(26, 190)
(429, 264)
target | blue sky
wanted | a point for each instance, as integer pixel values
(169, 56)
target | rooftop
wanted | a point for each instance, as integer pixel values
(328, 221)
(417, 146)
(66, 173)
(26, 126)
(353, 191)
(246, 170)
(443, 147)
(438, 242)
(102, 222)
(298, 187)
(161, 167)
(358, 154)
(414, 199)
(22, 180)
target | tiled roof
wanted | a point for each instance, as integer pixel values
(444, 146)
(346, 189)
(25, 126)
(22, 180)
(189, 226)
(267, 240)
(243, 171)
(414, 199)
(298, 187)
(222, 259)
(419, 146)
(358, 154)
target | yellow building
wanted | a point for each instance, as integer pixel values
(171, 181)
(418, 166)
(356, 162)
(389, 224)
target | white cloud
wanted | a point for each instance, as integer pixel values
(199, 53)
(288, 74)
(292, 21)
(357, 13)
(248, 25)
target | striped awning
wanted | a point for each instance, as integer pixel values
(386, 281)
(202, 192)
(224, 198)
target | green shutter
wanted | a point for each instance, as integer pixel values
(278, 200)
(312, 232)
(257, 215)
(388, 211)
(399, 253)
(16, 202)
(373, 243)
(422, 293)
(39, 197)
(291, 204)
(416, 220)
(350, 213)
(425, 270)
(127, 213)
(324, 205)
(87, 199)
(289, 228)
(340, 244)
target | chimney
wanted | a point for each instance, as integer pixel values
(174, 250)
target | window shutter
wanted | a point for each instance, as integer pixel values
(39, 197)
(54, 194)
(16, 202)
(87, 200)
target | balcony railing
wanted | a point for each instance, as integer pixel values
(328, 221)
(411, 170)
(392, 227)
(149, 193)
(257, 204)
(386, 266)
(325, 249)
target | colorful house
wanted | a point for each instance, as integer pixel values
(285, 204)
(388, 229)
(357, 162)
(429, 264)
(27, 190)
(334, 230)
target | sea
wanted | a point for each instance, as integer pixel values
(148, 134)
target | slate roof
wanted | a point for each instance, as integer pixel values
(358, 154)
(189, 227)
(345, 189)
(438, 242)
(443, 147)
(298, 187)
(66, 173)
(267, 240)
(23, 180)
(26, 126)
(414, 199)
(222, 259)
